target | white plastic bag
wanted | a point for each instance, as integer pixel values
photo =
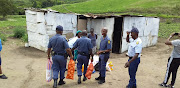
(49, 71)
(72, 41)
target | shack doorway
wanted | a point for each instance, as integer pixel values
(117, 35)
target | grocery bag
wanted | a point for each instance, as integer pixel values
(71, 69)
(82, 68)
(89, 70)
(49, 71)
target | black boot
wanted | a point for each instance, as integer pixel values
(55, 83)
(98, 78)
(79, 79)
(134, 86)
(61, 82)
(102, 80)
(84, 79)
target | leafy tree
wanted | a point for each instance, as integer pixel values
(47, 3)
(7, 7)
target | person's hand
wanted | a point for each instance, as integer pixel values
(49, 57)
(128, 32)
(172, 34)
(127, 64)
(99, 52)
(92, 59)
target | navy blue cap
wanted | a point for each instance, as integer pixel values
(59, 28)
(135, 30)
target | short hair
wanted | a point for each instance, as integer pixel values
(105, 28)
(92, 29)
(84, 33)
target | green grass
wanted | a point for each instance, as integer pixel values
(155, 7)
(13, 20)
(165, 9)
(167, 27)
(11, 23)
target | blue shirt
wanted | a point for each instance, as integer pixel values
(83, 45)
(105, 43)
(58, 43)
(0, 45)
(93, 39)
(135, 46)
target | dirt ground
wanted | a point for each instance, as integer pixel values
(26, 68)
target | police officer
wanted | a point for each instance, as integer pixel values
(60, 46)
(104, 52)
(134, 51)
(84, 47)
(2, 76)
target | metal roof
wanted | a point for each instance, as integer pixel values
(88, 15)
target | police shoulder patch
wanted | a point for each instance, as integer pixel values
(109, 41)
(137, 42)
(66, 39)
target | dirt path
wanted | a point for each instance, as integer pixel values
(25, 68)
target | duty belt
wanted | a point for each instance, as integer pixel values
(84, 54)
(59, 54)
(105, 53)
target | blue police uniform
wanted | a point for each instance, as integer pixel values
(135, 46)
(83, 46)
(105, 44)
(0, 50)
(59, 45)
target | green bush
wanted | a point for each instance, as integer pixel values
(168, 21)
(25, 38)
(3, 38)
(19, 32)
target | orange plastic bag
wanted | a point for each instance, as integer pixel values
(82, 68)
(89, 70)
(71, 69)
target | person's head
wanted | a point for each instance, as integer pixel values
(134, 33)
(84, 33)
(59, 29)
(92, 31)
(78, 33)
(179, 34)
(104, 31)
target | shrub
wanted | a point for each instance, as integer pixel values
(3, 38)
(19, 32)
(168, 21)
(25, 38)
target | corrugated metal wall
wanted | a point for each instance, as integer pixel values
(148, 30)
(41, 26)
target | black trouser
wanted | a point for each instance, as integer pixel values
(172, 67)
